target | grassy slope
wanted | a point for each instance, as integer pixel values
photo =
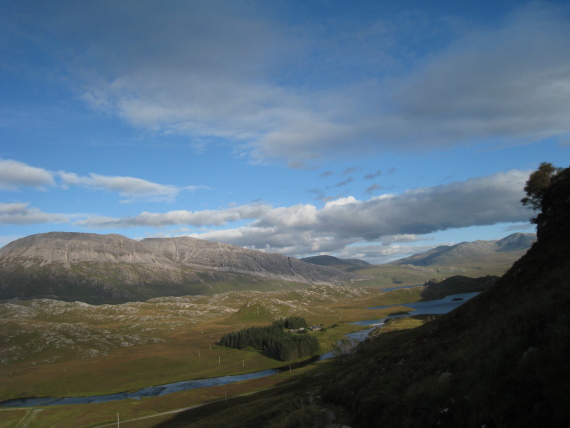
(71, 349)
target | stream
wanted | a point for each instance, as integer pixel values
(441, 306)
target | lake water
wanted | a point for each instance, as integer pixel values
(430, 307)
(441, 306)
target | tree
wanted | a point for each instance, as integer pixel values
(537, 185)
(345, 346)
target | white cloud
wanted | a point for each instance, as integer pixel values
(21, 214)
(304, 229)
(128, 187)
(14, 174)
(180, 217)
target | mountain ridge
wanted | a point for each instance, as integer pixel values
(453, 254)
(112, 268)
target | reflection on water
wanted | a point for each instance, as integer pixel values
(152, 391)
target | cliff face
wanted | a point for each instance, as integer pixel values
(112, 268)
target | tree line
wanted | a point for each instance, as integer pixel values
(273, 340)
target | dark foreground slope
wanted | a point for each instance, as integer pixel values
(499, 360)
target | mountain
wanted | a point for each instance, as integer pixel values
(201, 254)
(98, 269)
(449, 255)
(345, 264)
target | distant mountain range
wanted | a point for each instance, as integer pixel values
(445, 255)
(112, 268)
(449, 255)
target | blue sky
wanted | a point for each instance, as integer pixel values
(369, 129)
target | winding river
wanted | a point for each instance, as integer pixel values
(441, 306)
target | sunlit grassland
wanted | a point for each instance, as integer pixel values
(186, 351)
(11, 417)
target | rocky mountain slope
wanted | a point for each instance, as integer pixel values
(450, 255)
(201, 254)
(97, 268)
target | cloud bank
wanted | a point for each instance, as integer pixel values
(304, 228)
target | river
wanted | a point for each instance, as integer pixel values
(441, 306)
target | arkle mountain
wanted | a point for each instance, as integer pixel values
(112, 268)
(201, 254)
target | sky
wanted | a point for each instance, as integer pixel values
(360, 129)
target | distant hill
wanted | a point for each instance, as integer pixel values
(449, 255)
(456, 285)
(469, 259)
(345, 264)
(112, 268)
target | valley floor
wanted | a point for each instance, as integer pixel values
(156, 342)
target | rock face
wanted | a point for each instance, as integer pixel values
(97, 268)
(201, 254)
(67, 248)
